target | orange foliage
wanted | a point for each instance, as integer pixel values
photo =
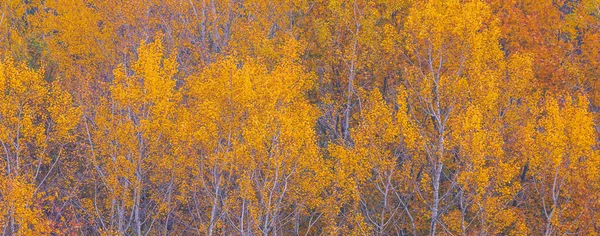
(358, 117)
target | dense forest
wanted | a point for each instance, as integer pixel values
(299, 117)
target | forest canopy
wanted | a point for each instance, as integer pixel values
(320, 117)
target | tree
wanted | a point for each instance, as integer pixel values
(453, 87)
(250, 128)
(129, 137)
(37, 118)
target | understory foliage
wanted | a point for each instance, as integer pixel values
(336, 117)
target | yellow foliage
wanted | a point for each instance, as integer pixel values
(362, 117)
